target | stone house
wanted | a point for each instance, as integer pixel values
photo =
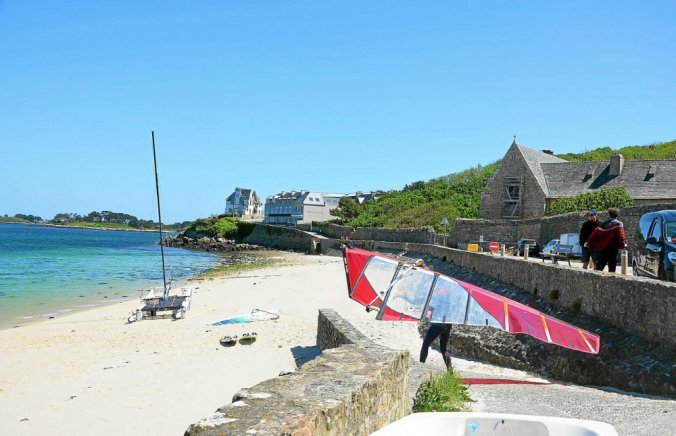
(529, 181)
(243, 202)
(300, 207)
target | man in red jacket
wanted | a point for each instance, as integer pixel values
(607, 240)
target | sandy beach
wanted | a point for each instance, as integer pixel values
(91, 372)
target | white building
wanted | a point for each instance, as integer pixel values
(243, 202)
(300, 207)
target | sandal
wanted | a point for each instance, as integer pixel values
(248, 337)
(228, 341)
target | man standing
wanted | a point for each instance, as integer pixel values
(588, 227)
(608, 238)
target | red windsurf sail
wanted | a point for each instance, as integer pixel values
(401, 291)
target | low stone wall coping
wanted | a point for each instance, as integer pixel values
(353, 389)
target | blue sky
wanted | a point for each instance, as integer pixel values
(326, 96)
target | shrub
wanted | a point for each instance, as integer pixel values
(600, 200)
(442, 393)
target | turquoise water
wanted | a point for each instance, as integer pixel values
(48, 271)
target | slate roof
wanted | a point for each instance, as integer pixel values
(565, 179)
(535, 160)
(246, 193)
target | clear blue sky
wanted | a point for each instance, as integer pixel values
(328, 96)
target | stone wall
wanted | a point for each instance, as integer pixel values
(422, 235)
(513, 165)
(355, 389)
(542, 229)
(285, 238)
(642, 306)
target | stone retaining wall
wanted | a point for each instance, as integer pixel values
(541, 229)
(286, 238)
(642, 306)
(353, 389)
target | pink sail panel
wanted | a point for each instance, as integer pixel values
(523, 319)
(404, 292)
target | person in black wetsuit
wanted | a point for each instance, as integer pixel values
(441, 331)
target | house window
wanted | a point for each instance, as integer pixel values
(511, 199)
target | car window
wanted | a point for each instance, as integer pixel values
(657, 230)
(670, 231)
(644, 227)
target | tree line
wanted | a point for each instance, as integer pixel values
(104, 218)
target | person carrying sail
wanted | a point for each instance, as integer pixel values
(437, 330)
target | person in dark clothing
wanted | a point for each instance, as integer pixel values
(608, 239)
(441, 331)
(588, 227)
(613, 213)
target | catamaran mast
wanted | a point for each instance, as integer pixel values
(159, 217)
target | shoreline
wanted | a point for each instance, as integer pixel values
(57, 309)
(63, 226)
(58, 373)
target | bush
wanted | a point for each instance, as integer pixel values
(600, 200)
(220, 227)
(442, 393)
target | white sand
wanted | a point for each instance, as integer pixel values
(92, 373)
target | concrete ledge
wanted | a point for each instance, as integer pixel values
(356, 388)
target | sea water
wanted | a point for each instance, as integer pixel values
(49, 271)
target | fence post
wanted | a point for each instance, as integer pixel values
(502, 250)
(624, 260)
(525, 251)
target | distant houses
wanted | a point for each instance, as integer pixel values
(529, 181)
(361, 197)
(300, 207)
(243, 202)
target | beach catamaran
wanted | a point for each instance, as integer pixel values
(404, 291)
(151, 303)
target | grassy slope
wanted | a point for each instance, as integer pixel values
(459, 194)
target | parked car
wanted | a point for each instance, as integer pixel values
(655, 245)
(572, 241)
(533, 247)
(550, 248)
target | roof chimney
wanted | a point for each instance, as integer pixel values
(616, 164)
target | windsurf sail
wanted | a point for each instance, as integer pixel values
(402, 291)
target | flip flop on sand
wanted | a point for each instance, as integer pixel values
(248, 338)
(228, 341)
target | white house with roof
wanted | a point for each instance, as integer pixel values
(300, 207)
(243, 202)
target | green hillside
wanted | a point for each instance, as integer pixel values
(658, 150)
(459, 194)
(421, 203)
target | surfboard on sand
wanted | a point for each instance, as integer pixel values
(254, 315)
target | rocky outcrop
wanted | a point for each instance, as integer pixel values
(209, 244)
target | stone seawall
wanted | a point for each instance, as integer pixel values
(286, 238)
(642, 306)
(355, 387)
